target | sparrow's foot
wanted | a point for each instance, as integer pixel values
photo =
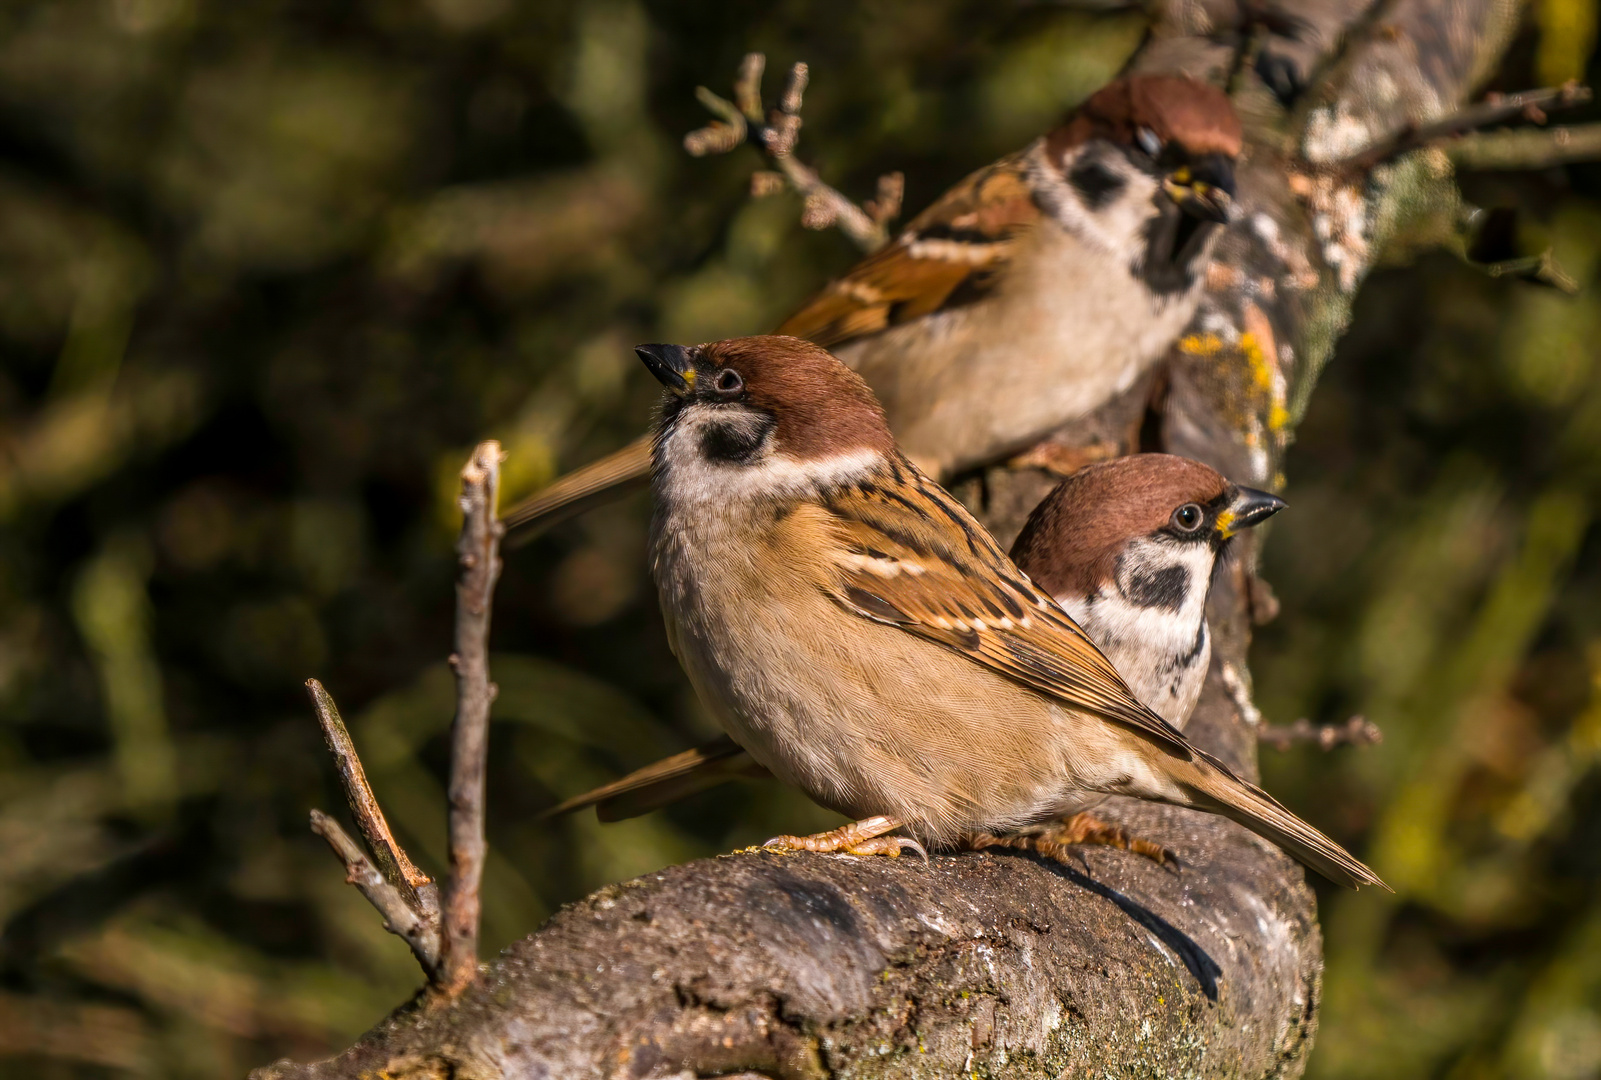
(1054, 840)
(865, 837)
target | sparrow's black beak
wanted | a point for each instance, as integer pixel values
(673, 366)
(1248, 507)
(1204, 188)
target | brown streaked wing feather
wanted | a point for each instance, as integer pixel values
(914, 558)
(982, 216)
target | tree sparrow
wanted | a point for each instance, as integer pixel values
(1028, 294)
(864, 639)
(1126, 547)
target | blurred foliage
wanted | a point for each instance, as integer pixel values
(269, 269)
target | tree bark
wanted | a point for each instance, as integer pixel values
(801, 966)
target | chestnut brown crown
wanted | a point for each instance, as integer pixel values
(818, 407)
(1193, 116)
(1072, 540)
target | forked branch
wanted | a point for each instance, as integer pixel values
(776, 132)
(444, 942)
(401, 917)
(416, 887)
(1529, 105)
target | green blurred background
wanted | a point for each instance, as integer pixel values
(269, 268)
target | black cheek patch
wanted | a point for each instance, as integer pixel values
(1097, 185)
(735, 440)
(1171, 260)
(1165, 588)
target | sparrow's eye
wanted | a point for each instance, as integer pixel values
(1148, 141)
(1188, 518)
(728, 382)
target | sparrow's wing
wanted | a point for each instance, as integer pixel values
(666, 781)
(911, 556)
(950, 254)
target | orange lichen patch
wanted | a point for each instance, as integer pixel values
(1260, 349)
(1201, 344)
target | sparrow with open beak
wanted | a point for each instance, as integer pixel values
(1026, 296)
(863, 638)
(1126, 547)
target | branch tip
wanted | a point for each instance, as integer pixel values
(775, 132)
(1530, 105)
(1357, 731)
(397, 867)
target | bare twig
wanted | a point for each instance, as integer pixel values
(1541, 269)
(1357, 731)
(400, 917)
(776, 132)
(1527, 149)
(406, 897)
(478, 552)
(398, 869)
(445, 943)
(1530, 105)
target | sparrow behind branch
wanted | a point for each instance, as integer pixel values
(1028, 294)
(1126, 547)
(863, 638)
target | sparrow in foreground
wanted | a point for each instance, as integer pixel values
(1027, 295)
(1126, 547)
(864, 639)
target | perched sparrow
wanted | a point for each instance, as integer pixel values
(1028, 294)
(864, 639)
(1126, 547)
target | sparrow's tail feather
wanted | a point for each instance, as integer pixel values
(1212, 786)
(666, 781)
(599, 482)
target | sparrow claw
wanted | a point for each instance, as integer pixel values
(865, 837)
(891, 846)
(1055, 841)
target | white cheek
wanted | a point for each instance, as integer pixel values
(1117, 226)
(688, 477)
(1144, 642)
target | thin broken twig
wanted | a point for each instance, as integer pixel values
(478, 554)
(400, 917)
(444, 941)
(776, 132)
(1530, 105)
(1536, 148)
(406, 897)
(1357, 731)
(417, 887)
